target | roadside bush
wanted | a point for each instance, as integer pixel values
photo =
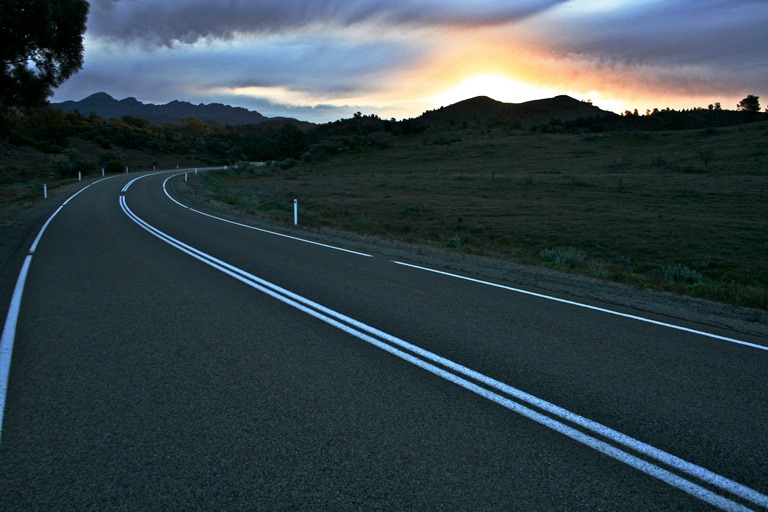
(564, 256)
(21, 139)
(47, 147)
(106, 156)
(681, 274)
(286, 164)
(383, 140)
(114, 167)
(103, 142)
(69, 163)
(454, 242)
(322, 150)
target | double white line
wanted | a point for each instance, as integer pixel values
(635, 453)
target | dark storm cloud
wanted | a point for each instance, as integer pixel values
(162, 22)
(671, 32)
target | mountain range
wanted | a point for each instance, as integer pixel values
(107, 106)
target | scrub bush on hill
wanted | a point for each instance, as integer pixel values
(69, 163)
(114, 167)
(564, 256)
(681, 273)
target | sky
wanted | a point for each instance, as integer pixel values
(323, 60)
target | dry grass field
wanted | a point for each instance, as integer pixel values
(685, 211)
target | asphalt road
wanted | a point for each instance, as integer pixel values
(168, 360)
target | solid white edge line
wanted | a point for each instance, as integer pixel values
(587, 306)
(306, 306)
(9, 335)
(255, 228)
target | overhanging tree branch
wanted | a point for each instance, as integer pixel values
(41, 46)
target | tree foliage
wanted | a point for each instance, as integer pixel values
(749, 104)
(41, 46)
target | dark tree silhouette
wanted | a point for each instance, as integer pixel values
(41, 45)
(749, 104)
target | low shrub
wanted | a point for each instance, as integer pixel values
(114, 167)
(564, 256)
(681, 274)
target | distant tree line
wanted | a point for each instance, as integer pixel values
(713, 116)
(49, 129)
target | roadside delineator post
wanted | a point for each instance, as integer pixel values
(185, 177)
(295, 212)
(79, 175)
(102, 172)
(45, 191)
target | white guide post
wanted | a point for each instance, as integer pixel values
(295, 212)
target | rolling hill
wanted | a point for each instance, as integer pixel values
(530, 113)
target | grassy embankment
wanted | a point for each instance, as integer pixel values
(681, 211)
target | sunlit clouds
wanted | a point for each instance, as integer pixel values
(320, 61)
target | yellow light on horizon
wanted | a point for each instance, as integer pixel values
(496, 86)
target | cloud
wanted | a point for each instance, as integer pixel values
(324, 65)
(159, 22)
(711, 41)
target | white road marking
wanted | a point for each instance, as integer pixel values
(425, 359)
(587, 306)
(165, 189)
(9, 335)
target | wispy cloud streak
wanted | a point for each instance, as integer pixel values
(187, 22)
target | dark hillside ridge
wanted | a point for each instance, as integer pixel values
(565, 114)
(531, 113)
(107, 106)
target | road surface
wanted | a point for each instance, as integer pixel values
(166, 359)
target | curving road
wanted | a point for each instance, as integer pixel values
(164, 359)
